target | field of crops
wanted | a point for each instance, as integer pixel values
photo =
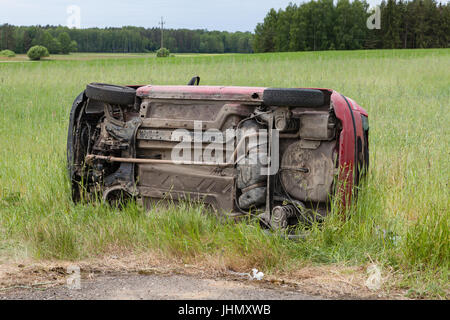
(401, 221)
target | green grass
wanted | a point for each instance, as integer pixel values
(401, 219)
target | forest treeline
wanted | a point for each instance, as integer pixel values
(314, 25)
(342, 25)
(125, 39)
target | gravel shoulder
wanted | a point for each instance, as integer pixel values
(156, 287)
(150, 276)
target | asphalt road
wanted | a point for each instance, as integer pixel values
(157, 287)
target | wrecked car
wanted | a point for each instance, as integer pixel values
(280, 154)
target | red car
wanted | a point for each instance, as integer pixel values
(278, 154)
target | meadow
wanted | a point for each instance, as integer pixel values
(401, 220)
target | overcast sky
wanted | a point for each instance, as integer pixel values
(229, 15)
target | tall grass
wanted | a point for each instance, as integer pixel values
(401, 219)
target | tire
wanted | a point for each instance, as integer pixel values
(293, 97)
(77, 107)
(111, 93)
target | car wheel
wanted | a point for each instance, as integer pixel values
(293, 97)
(110, 93)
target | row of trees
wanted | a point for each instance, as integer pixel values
(125, 39)
(328, 25)
(21, 39)
(315, 25)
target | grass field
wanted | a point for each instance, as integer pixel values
(77, 56)
(98, 56)
(401, 221)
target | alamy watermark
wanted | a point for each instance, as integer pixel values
(374, 21)
(243, 147)
(73, 282)
(74, 17)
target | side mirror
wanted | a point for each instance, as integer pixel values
(195, 81)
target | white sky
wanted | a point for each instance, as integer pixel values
(229, 15)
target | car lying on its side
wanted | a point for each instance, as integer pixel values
(279, 154)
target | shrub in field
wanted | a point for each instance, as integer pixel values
(7, 53)
(37, 52)
(162, 53)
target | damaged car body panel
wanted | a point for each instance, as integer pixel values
(279, 154)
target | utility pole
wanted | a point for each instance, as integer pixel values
(162, 32)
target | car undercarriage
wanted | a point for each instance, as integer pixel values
(281, 155)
